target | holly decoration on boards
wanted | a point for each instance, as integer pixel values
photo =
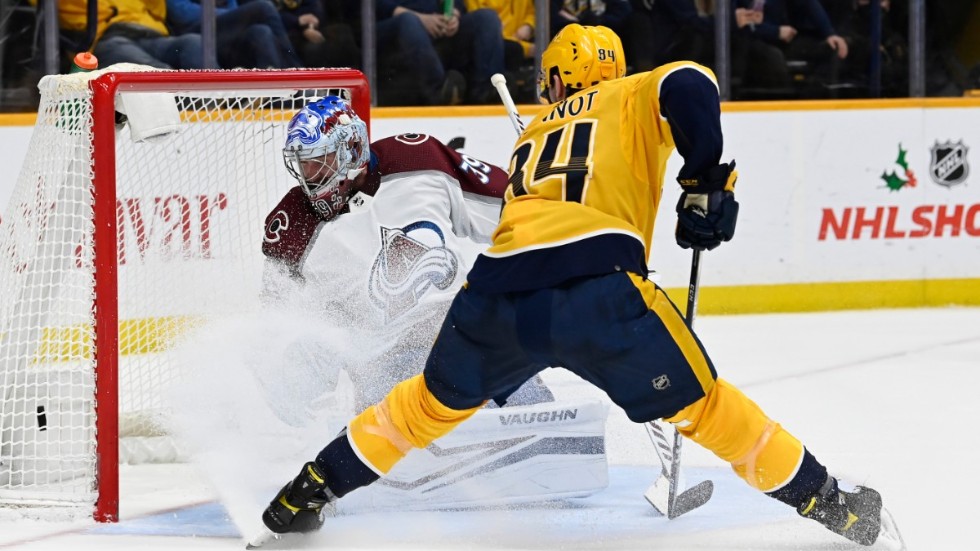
(895, 182)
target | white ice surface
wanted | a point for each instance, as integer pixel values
(884, 398)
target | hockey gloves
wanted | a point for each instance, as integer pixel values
(707, 210)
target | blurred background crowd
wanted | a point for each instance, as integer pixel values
(442, 52)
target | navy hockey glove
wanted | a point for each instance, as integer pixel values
(707, 210)
(704, 221)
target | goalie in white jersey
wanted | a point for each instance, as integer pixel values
(378, 238)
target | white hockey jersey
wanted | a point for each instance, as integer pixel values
(388, 266)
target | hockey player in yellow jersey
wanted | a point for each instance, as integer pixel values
(565, 284)
(586, 176)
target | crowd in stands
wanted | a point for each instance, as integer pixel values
(443, 52)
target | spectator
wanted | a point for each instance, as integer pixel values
(133, 31)
(450, 59)
(608, 13)
(663, 31)
(321, 39)
(757, 65)
(946, 21)
(801, 29)
(945, 74)
(853, 19)
(517, 22)
(250, 34)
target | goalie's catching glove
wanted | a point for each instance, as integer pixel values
(707, 210)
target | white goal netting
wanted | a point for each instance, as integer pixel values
(189, 206)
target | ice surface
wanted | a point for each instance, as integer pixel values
(884, 398)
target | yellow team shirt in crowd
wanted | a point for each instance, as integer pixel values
(513, 15)
(73, 14)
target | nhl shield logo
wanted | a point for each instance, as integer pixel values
(661, 382)
(948, 165)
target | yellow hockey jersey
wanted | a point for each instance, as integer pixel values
(587, 174)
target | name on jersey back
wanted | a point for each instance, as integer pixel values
(572, 106)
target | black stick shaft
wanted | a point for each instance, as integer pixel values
(692, 305)
(692, 289)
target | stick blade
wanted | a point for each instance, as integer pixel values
(691, 499)
(658, 495)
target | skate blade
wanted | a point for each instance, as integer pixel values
(691, 499)
(889, 538)
(270, 540)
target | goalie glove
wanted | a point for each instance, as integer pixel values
(707, 210)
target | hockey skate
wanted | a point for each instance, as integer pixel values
(297, 508)
(858, 515)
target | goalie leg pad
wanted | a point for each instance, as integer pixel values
(501, 456)
(732, 426)
(409, 416)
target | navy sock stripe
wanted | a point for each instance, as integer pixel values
(805, 484)
(344, 471)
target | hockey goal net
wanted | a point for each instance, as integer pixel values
(122, 232)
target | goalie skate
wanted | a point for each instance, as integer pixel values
(502, 456)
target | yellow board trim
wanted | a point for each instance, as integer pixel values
(18, 119)
(136, 336)
(819, 297)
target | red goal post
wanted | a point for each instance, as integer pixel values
(115, 243)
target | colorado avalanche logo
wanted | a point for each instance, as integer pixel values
(305, 127)
(406, 268)
(278, 224)
(412, 138)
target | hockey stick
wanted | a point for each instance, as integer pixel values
(500, 83)
(663, 493)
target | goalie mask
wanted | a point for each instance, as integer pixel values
(581, 57)
(326, 149)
